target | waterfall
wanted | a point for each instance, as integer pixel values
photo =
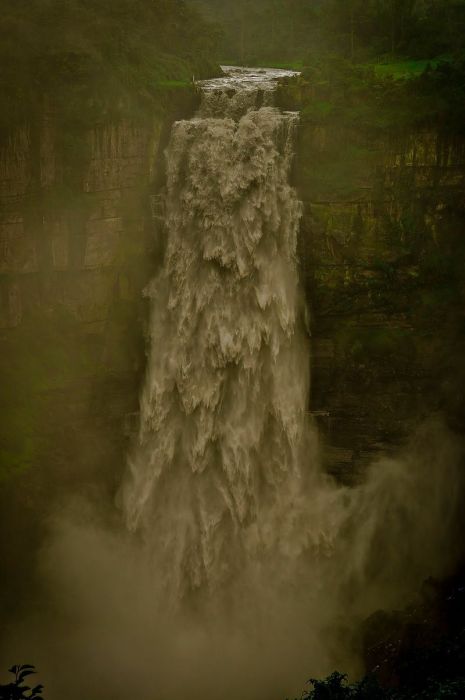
(224, 484)
(216, 473)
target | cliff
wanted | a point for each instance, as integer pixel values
(73, 261)
(79, 224)
(382, 252)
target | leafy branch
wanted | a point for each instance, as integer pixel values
(17, 690)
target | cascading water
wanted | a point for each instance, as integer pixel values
(216, 474)
(224, 483)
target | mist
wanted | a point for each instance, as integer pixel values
(100, 627)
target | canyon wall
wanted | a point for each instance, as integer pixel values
(79, 221)
(382, 252)
(73, 260)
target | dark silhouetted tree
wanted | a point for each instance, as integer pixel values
(17, 690)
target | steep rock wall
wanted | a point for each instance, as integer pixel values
(79, 224)
(74, 254)
(382, 248)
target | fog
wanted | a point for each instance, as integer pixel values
(100, 627)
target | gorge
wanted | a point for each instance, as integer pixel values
(232, 510)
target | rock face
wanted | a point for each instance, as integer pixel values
(76, 248)
(382, 248)
(78, 241)
(63, 241)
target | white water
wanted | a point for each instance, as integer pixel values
(217, 470)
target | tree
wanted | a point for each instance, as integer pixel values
(17, 690)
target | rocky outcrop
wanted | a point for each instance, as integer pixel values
(69, 245)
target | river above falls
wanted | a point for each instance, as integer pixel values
(246, 78)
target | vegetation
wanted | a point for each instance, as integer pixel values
(16, 690)
(336, 687)
(414, 654)
(299, 30)
(336, 92)
(88, 58)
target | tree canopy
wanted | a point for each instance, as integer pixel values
(290, 30)
(107, 50)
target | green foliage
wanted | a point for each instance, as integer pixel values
(332, 688)
(362, 96)
(336, 687)
(407, 69)
(273, 32)
(17, 690)
(288, 31)
(91, 58)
